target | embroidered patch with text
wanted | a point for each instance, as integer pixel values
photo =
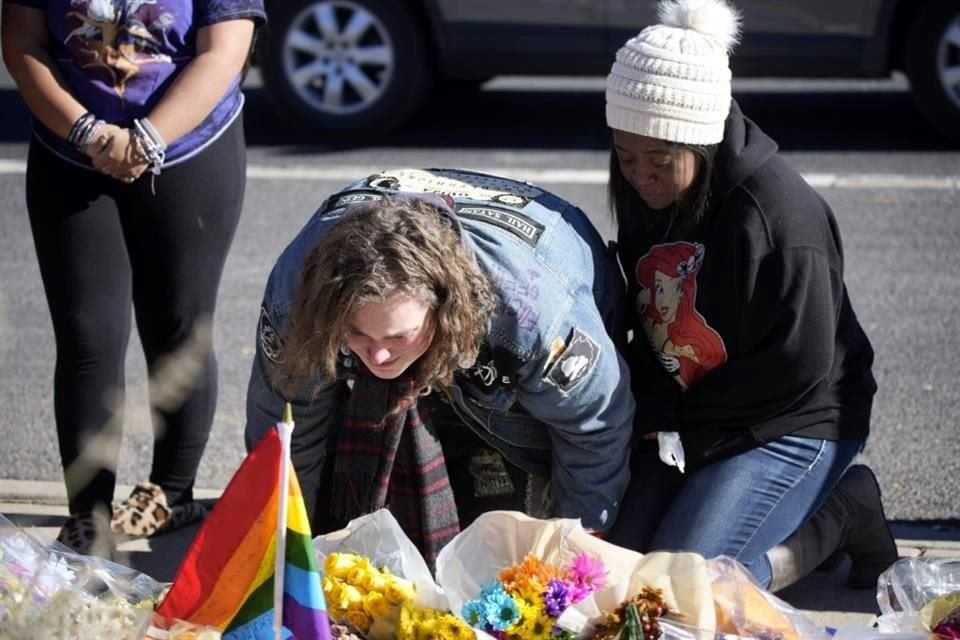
(575, 363)
(524, 227)
(346, 198)
(270, 342)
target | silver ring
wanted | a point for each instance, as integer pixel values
(127, 179)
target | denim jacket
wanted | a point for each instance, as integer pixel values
(549, 389)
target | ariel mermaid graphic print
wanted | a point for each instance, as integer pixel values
(687, 347)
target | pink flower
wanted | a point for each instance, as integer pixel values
(587, 575)
(947, 631)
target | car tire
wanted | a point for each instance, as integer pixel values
(933, 65)
(344, 67)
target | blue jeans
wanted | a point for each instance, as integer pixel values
(741, 506)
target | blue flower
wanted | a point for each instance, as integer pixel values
(492, 588)
(475, 613)
(502, 611)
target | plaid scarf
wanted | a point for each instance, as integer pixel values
(397, 463)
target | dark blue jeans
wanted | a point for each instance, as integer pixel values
(741, 506)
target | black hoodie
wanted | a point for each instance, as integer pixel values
(771, 345)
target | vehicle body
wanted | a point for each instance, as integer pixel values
(363, 66)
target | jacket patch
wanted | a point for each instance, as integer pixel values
(346, 198)
(270, 343)
(494, 368)
(489, 474)
(516, 223)
(575, 363)
(456, 183)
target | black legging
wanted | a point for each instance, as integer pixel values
(101, 245)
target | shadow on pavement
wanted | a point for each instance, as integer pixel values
(940, 530)
(160, 557)
(856, 120)
(31, 520)
(827, 591)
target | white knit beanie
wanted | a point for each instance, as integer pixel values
(672, 80)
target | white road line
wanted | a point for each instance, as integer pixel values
(572, 176)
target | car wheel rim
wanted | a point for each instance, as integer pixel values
(338, 57)
(948, 61)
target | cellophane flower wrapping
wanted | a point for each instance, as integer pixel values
(47, 591)
(745, 609)
(916, 594)
(499, 539)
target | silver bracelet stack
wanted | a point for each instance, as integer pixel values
(84, 130)
(149, 144)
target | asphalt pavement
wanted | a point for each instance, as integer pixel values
(893, 187)
(40, 509)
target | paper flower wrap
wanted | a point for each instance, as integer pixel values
(376, 581)
(502, 538)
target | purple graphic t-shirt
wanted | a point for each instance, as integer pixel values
(119, 56)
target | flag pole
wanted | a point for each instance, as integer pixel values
(285, 429)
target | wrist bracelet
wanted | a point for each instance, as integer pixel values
(91, 133)
(77, 124)
(83, 131)
(153, 133)
(149, 144)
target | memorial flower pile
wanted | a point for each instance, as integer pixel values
(526, 599)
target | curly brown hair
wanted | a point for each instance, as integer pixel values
(378, 249)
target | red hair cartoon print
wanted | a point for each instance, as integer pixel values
(686, 346)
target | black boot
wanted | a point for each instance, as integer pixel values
(868, 540)
(851, 521)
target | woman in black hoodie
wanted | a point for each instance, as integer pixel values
(744, 342)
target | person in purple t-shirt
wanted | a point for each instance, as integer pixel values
(135, 182)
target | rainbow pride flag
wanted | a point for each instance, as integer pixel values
(226, 579)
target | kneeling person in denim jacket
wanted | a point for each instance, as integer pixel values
(444, 337)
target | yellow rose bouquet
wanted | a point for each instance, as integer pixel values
(378, 604)
(378, 586)
(359, 593)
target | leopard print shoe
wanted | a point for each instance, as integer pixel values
(143, 513)
(89, 533)
(146, 513)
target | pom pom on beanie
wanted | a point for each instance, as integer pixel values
(672, 80)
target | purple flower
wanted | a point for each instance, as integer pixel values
(556, 597)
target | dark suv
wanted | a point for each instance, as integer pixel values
(363, 66)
